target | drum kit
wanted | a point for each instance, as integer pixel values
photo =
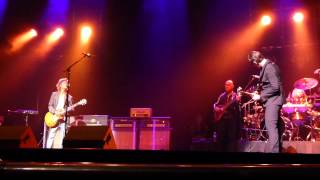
(302, 109)
(300, 115)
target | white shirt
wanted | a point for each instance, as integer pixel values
(61, 102)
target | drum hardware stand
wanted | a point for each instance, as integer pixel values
(298, 138)
(252, 133)
(287, 130)
(312, 130)
(261, 136)
(310, 135)
(290, 135)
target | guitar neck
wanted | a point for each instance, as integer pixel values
(72, 106)
(227, 104)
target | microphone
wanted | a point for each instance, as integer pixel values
(87, 55)
(255, 76)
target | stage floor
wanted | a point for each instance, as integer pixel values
(304, 147)
(133, 163)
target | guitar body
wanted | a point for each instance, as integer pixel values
(218, 115)
(51, 120)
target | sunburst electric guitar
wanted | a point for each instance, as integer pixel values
(51, 120)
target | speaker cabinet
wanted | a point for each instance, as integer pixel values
(142, 134)
(155, 134)
(123, 129)
(89, 137)
(154, 139)
(17, 137)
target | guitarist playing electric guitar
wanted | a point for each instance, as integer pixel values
(227, 119)
(54, 119)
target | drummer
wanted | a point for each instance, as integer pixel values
(297, 105)
(298, 96)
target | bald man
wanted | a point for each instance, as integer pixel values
(227, 119)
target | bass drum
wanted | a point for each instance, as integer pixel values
(286, 129)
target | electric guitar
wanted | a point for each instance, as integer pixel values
(218, 114)
(51, 120)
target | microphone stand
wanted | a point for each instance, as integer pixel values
(68, 74)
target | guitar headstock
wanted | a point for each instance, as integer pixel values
(82, 102)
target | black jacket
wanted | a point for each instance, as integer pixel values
(271, 86)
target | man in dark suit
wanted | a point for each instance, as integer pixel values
(271, 96)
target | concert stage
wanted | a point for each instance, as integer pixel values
(132, 163)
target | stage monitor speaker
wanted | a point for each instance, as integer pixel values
(17, 137)
(89, 137)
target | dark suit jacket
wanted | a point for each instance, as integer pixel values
(271, 86)
(54, 101)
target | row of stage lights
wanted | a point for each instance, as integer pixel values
(54, 36)
(86, 32)
(297, 17)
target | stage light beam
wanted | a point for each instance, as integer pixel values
(22, 39)
(86, 32)
(54, 36)
(298, 17)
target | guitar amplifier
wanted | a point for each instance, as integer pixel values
(140, 112)
(90, 120)
(123, 129)
(156, 122)
(155, 134)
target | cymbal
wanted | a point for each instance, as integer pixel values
(306, 83)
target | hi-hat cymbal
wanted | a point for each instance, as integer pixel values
(306, 83)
